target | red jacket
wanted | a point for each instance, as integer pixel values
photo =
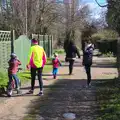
(13, 66)
(56, 62)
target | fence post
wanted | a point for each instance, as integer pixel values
(12, 40)
(51, 45)
(38, 39)
(44, 42)
(48, 46)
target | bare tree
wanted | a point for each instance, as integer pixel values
(45, 17)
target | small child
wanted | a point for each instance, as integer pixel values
(56, 62)
(12, 73)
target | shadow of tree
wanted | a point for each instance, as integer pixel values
(66, 96)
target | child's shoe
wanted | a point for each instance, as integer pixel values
(9, 93)
(19, 92)
(54, 76)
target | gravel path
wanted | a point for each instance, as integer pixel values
(66, 94)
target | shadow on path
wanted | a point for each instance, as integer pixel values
(68, 95)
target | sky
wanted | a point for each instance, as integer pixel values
(93, 1)
(94, 7)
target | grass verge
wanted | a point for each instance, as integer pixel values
(108, 96)
(59, 51)
(24, 76)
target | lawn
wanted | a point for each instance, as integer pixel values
(23, 75)
(108, 95)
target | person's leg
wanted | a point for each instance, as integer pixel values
(88, 71)
(71, 62)
(89, 75)
(55, 73)
(39, 70)
(10, 82)
(17, 83)
(16, 80)
(9, 89)
(33, 75)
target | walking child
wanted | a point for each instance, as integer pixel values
(87, 60)
(12, 74)
(56, 62)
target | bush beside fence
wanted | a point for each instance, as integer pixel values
(107, 46)
(118, 56)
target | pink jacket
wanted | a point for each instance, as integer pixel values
(56, 62)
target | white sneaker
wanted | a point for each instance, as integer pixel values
(40, 93)
(9, 93)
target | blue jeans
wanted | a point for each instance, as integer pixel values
(11, 78)
(55, 71)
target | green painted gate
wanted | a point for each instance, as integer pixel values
(46, 42)
(21, 48)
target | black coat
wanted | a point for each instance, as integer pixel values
(72, 51)
(88, 55)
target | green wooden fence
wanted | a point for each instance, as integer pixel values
(5, 48)
(45, 41)
(20, 46)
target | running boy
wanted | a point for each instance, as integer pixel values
(56, 62)
(12, 73)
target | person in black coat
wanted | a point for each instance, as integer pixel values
(87, 59)
(71, 52)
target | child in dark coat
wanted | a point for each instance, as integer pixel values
(87, 60)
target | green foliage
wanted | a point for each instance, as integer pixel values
(3, 78)
(108, 95)
(59, 51)
(113, 14)
(47, 68)
(107, 47)
(105, 35)
(109, 54)
(106, 41)
(24, 76)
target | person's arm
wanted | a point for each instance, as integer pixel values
(19, 63)
(59, 62)
(90, 50)
(44, 58)
(77, 51)
(29, 58)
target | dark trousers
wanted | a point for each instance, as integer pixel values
(88, 72)
(33, 75)
(71, 62)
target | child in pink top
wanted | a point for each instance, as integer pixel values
(12, 74)
(56, 63)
